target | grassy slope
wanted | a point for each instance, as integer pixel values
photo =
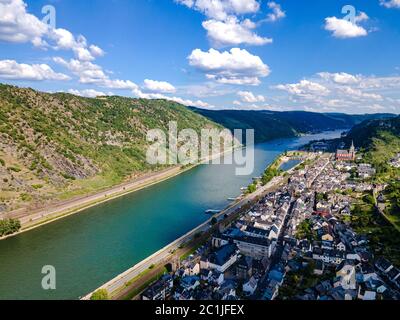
(60, 145)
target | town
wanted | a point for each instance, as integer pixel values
(296, 242)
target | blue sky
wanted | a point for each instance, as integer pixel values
(230, 54)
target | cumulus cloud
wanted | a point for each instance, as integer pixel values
(90, 73)
(341, 78)
(342, 92)
(233, 32)
(159, 86)
(247, 96)
(16, 25)
(89, 93)
(277, 12)
(304, 89)
(390, 3)
(221, 9)
(191, 103)
(225, 24)
(236, 66)
(19, 26)
(65, 40)
(186, 102)
(10, 69)
(342, 28)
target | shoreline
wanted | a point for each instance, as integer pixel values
(71, 207)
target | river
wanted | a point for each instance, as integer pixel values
(92, 247)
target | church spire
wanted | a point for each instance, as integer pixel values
(352, 148)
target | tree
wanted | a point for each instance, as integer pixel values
(9, 226)
(305, 231)
(214, 221)
(368, 198)
(101, 294)
(251, 188)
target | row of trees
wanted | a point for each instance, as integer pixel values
(9, 226)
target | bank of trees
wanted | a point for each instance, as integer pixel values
(101, 294)
(9, 226)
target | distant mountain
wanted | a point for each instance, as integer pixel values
(369, 132)
(272, 124)
(267, 126)
(54, 146)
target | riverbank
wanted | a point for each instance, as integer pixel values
(62, 210)
(59, 211)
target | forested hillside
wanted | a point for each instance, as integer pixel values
(54, 146)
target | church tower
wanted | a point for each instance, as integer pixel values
(352, 150)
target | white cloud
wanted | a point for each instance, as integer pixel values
(221, 9)
(277, 12)
(341, 78)
(343, 29)
(19, 26)
(159, 86)
(90, 73)
(16, 25)
(247, 96)
(186, 102)
(342, 92)
(233, 32)
(236, 66)
(362, 16)
(89, 93)
(225, 24)
(96, 51)
(10, 69)
(65, 40)
(304, 89)
(191, 103)
(390, 3)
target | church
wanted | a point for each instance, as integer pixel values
(344, 155)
